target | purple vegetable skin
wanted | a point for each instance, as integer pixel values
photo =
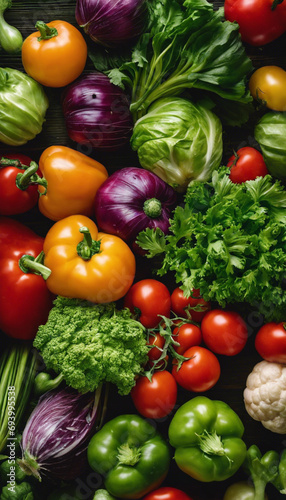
(56, 435)
(111, 22)
(97, 112)
(131, 200)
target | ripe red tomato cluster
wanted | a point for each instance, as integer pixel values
(192, 322)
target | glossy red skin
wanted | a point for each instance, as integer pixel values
(188, 335)
(270, 342)
(199, 373)
(155, 399)
(150, 298)
(158, 342)
(167, 493)
(25, 300)
(258, 24)
(14, 200)
(224, 332)
(246, 165)
(181, 305)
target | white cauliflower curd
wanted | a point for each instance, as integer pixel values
(265, 395)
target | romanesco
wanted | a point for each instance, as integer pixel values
(92, 343)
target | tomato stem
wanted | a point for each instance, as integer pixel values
(45, 30)
(87, 247)
(9, 162)
(276, 3)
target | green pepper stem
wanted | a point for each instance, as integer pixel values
(128, 455)
(29, 177)
(211, 444)
(46, 31)
(87, 247)
(44, 382)
(30, 264)
(9, 162)
(152, 208)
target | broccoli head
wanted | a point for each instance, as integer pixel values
(89, 344)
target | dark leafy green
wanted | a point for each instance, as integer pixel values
(228, 240)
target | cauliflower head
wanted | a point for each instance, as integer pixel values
(265, 395)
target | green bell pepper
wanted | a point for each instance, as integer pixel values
(207, 437)
(131, 455)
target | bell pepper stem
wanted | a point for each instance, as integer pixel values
(46, 31)
(44, 382)
(29, 177)
(10, 162)
(30, 264)
(128, 455)
(211, 443)
(87, 247)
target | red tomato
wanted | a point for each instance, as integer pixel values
(167, 494)
(200, 372)
(224, 332)
(13, 199)
(183, 306)
(259, 23)
(188, 335)
(157, 398)
(158, 342)
(246, 164)
(148, 299)
(270, 342)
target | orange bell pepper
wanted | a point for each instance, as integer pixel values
(86, 264)
(72, 182)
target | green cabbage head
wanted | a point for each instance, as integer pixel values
(270, 133)
(179, 141)
(23, 105)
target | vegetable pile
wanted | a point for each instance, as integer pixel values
(143, 250)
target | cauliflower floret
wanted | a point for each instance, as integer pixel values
(265, 395)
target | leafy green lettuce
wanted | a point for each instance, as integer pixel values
(187, 45)
(228, 240)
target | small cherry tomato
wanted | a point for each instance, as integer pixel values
(246, 164)
(270, 342)
(187, 335)
(199, 373)
(147, 300)
(167, 493)
(268, 85)
(158, 342)
(224, 332)
(157, 398)
(184, 307)
(55, 55)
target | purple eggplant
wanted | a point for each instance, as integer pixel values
(55, 438)
(131, 200)
(97, 112)
(111, 22)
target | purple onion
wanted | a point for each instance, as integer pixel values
(55, 438)
(97, 112)
(111, 22)
(131, 200)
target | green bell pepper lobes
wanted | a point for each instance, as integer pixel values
(207, 437)
(131, 455)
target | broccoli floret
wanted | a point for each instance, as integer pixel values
(92, 343)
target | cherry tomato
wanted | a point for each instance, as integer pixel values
(147, 299)
(183, 306)
(268, 85)
(55, 55)
(158, 342)
(224, 332)
(167, 493)
(187, 335)
(246, 164)
(199, 373)
(260, 21)
(270, 342)
(157, 398)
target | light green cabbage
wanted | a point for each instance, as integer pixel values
(178, 141)
(270, 133)
(23, 105)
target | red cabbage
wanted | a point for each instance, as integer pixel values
(111, 22)
(97, 112)
(55, 438)
(131, 200)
